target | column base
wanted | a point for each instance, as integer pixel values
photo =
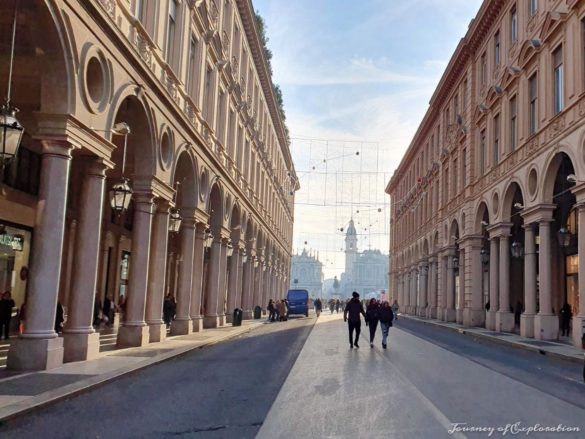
(116, 322)
(181, 327)
(213, 321)
(490, 320)
(449, 315)
(157, 332)
(433, 314)
(473, 317)
(527, 325)
(35, 353)
(459, 316)
(578, 330)
(247, 314)
(80, 346)
(133, 336)
(197, 324)
(546, 327)
(504, 321)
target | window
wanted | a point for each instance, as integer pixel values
(193, 70)
(583, 48)
(497, 44)
(513, 25)
(171, 30)
(456, 105)
(140, 8)
(533, 7)
(513, 123)
(464, 103)
(559, 100)
(496, 139)
(464, 169)
(482, 153)
(483, 69)
(533, 109)
(454, 174)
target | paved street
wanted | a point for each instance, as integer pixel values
(221, 391)
(418, 388)
(428, 379)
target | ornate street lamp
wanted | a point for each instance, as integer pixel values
(208, 238)
(455, 264)
(517, 250)
(121, 193)
(564, 237)
(175, 219)
(485, 256)
(10, 129)
(230, 250)
(244, 257)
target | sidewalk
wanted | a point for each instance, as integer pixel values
(23, 392)
(551, 348)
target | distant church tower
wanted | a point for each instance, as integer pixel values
(351, 250)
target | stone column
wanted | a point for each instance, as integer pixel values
(442, 282)
(546, 324)
(182, 324)
(474, 315)
(450, 315)
(413, 291)
(240, 280)
(527, 317)
(80, 341)
(406, 292)
(39, 348)
(579, 318)
(422, 294)
(460, 288)
(134, 330)
(232, 288)
(258, 284)
(504, 318)
(157, 273)
(214, 315)
(197, 280)
(432, 309)
(494, 285)
(248, 287)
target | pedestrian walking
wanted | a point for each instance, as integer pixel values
(107, 311)
(395, 309)
(318, 306)
(331, 305)
(59, 318)
(372, 319)
(282, 310)
(97, 311)
(337, 305)
(6, 305)
(386, 315)
(517, 313)
(167, 310)
(566, 315)
(271, 312)
(351, 315)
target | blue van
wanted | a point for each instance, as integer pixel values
(298, 302)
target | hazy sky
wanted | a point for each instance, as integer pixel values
(356, 77)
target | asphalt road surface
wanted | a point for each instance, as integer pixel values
(221, 391)
(426, 382)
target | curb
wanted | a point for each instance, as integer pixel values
(44, 399)
(497, 340)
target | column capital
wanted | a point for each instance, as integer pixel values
(538, 213)
(57, 147)
(472, 241)
(97, 166)
(499, 230)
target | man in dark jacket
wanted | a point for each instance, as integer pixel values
(351, 315)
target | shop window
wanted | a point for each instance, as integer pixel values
(23, 173)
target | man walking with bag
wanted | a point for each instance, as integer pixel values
(351, 315)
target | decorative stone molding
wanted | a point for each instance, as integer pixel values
(110, 7)
(556, 127)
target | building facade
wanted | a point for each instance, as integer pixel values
(185, 85)
(365, 272)
(487, 203)
(307, 274)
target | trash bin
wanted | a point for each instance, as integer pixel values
(237, 320)
(257, 312)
